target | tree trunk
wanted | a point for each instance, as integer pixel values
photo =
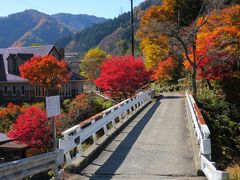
(209, 84)
(207, 80)
(194, 84)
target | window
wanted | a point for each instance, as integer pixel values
(14, 90)
(40, 91)
(22, 90)
(66, 90)
(5, 90)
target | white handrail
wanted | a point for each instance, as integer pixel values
(210, 170)
(194, 119)
(203, 133)
(73, 137)
(30, 166)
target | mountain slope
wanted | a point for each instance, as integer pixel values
(113, 36)
(78, 22)
(31, 26)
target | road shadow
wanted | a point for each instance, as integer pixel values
(108, 169)
(173, 97)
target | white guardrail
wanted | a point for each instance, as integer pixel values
(73, 137)
(202, 132)
(24, 168)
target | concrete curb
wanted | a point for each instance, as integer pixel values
(195, 146)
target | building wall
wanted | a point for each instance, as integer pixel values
(30, 92)
(14, 92)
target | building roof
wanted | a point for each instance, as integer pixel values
(8, 143)
(23, 57)
(13, 145)
(3, 137)
(22, 52)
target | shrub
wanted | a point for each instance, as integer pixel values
(81, 108)
(32, 128)
(222, 118)
(234, 172)
(101, 104)
(8, 116)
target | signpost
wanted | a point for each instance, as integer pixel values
(53, 109)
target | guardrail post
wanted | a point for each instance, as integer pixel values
(206, 142)
(122, 117)
(94, 135)
(114, 123)
(221, 175)
(68, 158)
(80, 149)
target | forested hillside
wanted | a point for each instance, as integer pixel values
(113, 36)
(31, 26)
(79, 21)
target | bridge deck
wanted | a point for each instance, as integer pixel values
(155, 145)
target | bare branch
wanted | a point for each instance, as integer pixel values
(184, 46)
(201, 25)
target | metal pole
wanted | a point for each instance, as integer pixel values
(54, 134)
(132, 27)
(55, 169)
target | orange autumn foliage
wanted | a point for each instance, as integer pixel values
(45, 70)
(218, 44)
(155, 45)
(165, 70)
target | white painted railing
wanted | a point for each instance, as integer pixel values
(202, 132)
(73, 137)
(23, 168)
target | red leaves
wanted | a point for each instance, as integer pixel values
(46, 70)
(122, 76)
(218, 43)
(32, 128)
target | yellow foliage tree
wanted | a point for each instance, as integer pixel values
(90, 65)
(154, 50)
(155, 45)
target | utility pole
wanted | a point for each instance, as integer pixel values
(132, 28)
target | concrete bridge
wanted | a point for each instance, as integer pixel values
(161, 138)
(155, 145)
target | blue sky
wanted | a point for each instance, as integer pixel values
(101, 8)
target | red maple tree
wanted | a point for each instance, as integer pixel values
(217, 45)
(32, 128)
(122, 76)
(45, 70)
